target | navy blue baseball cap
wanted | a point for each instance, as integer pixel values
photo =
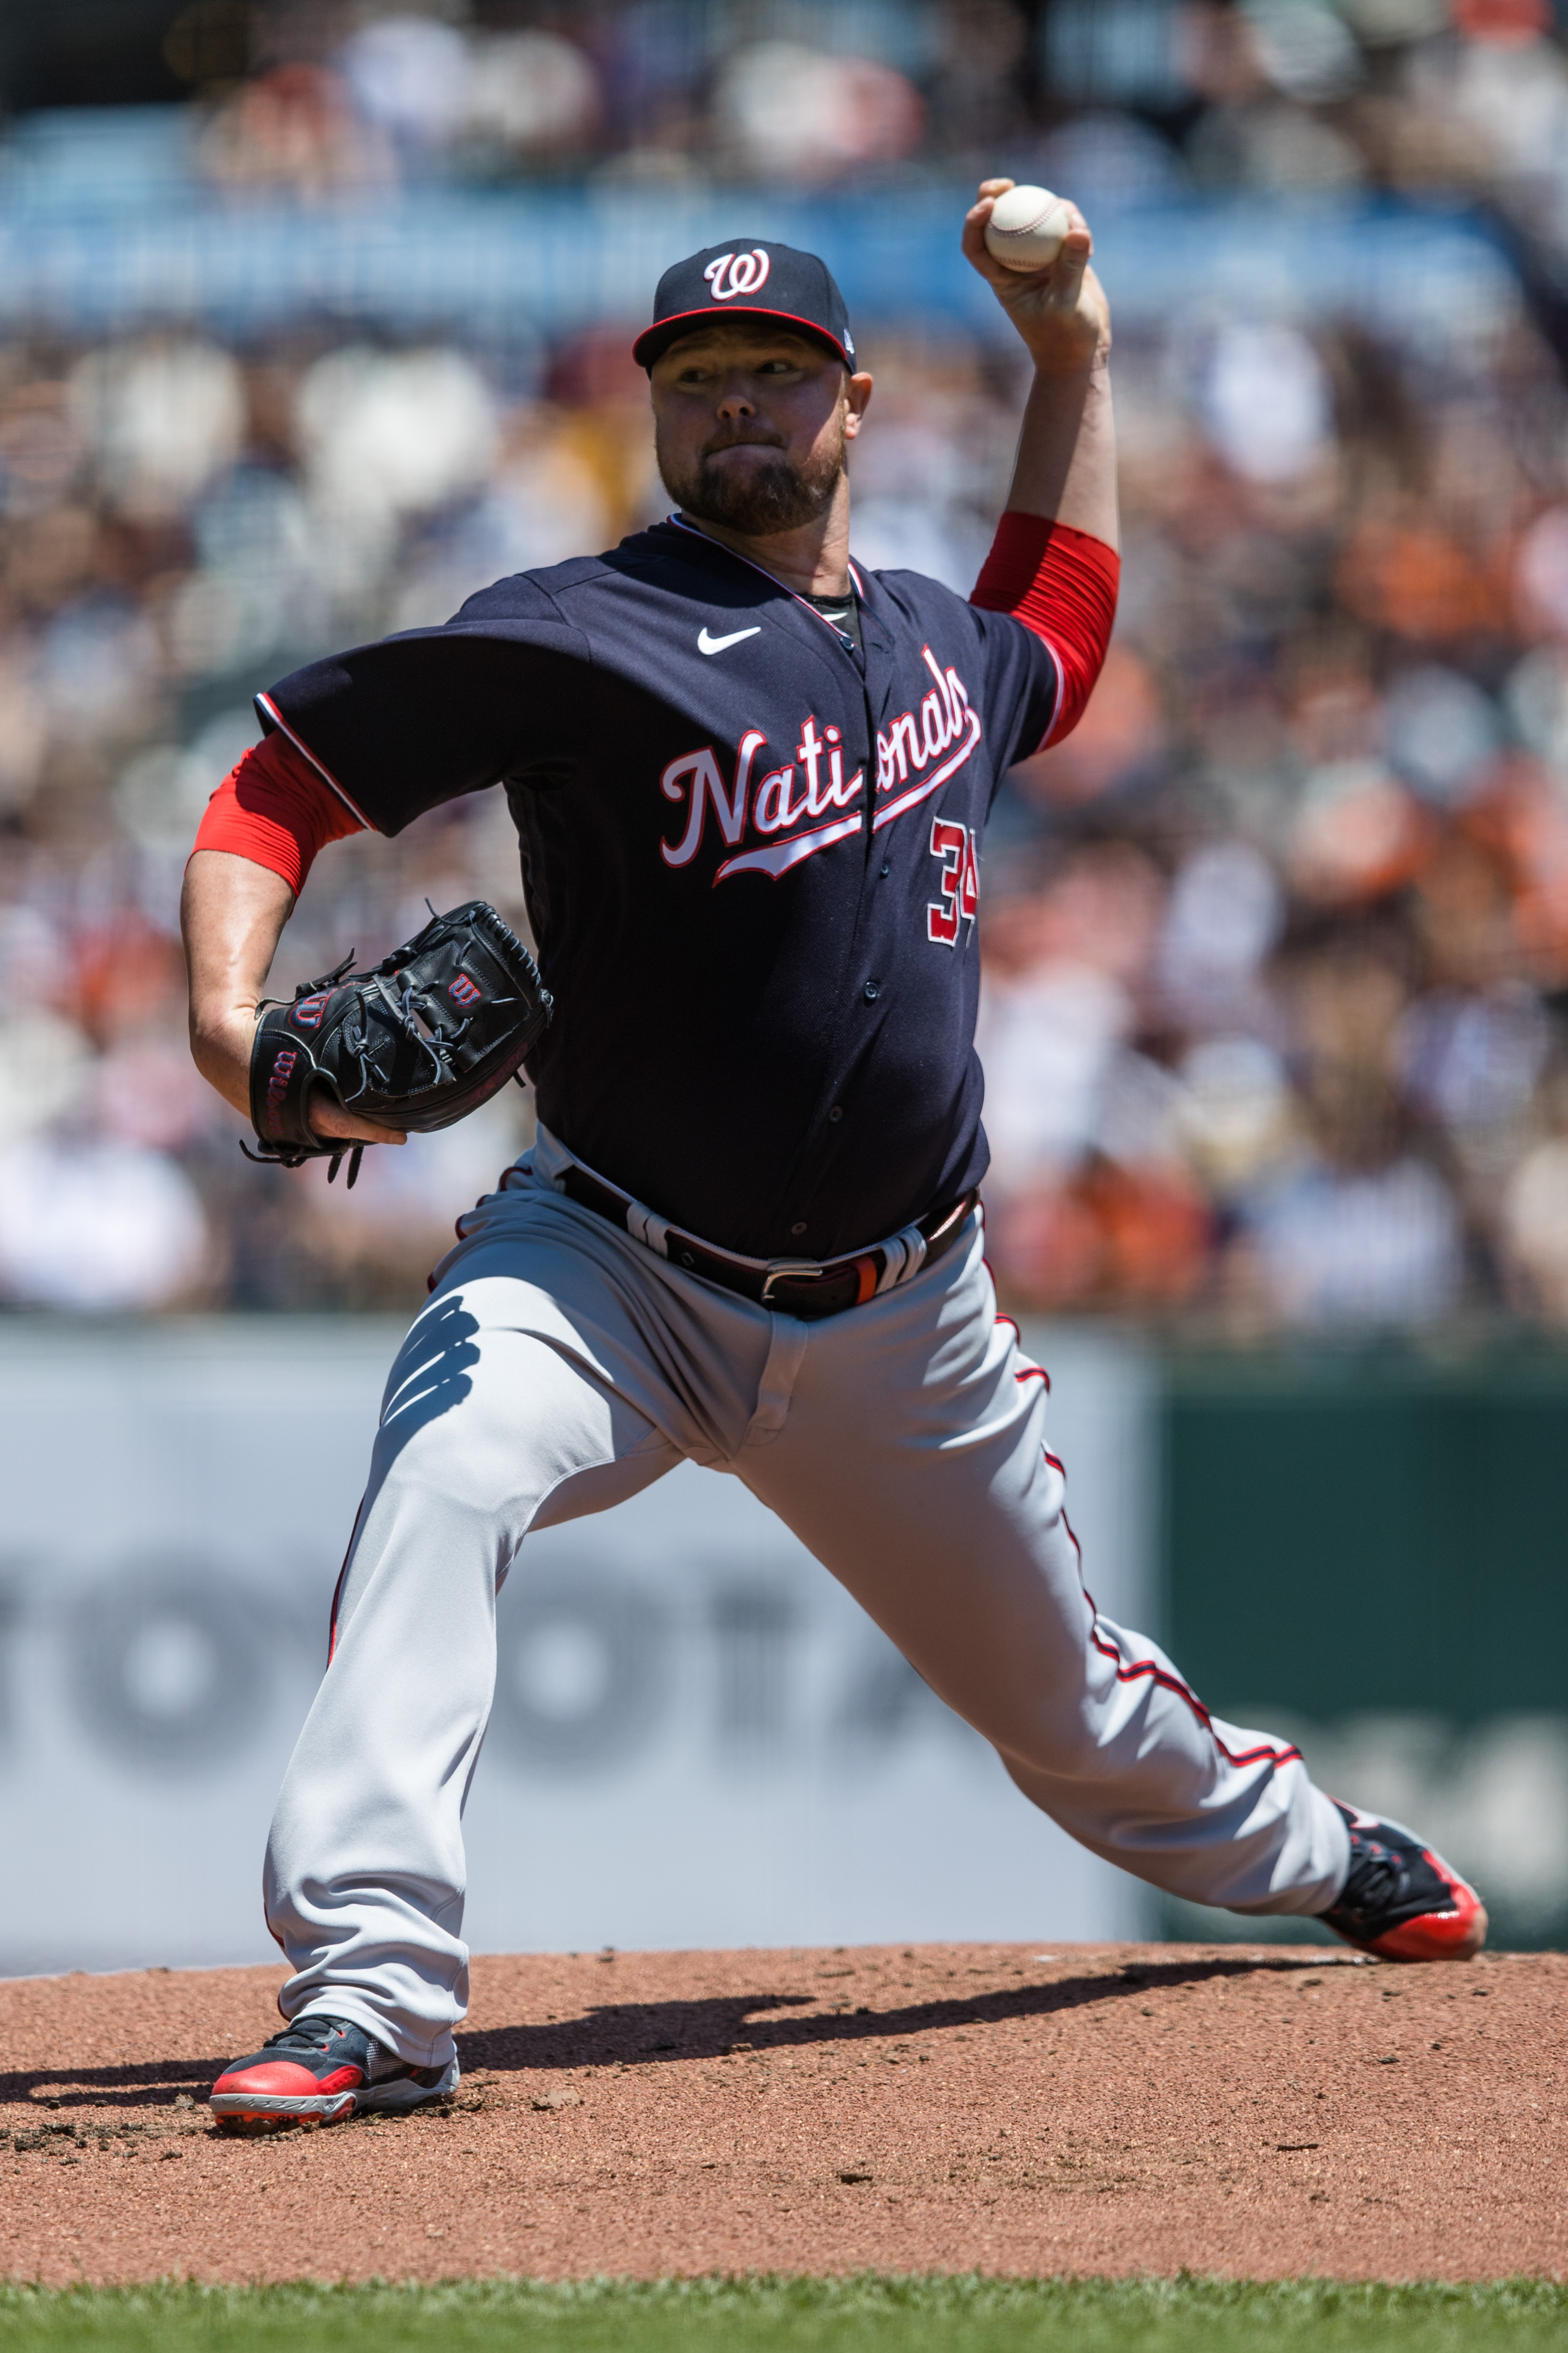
(747, 281)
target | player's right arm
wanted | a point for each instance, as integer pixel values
(1066, 467)
(1053, 565)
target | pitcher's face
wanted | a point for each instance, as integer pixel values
(752, 424)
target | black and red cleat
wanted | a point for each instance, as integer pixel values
(319, 2070)
(1401, 1901)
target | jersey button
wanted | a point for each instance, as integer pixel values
(798, 1229)
(836, 1113)
(873, 990)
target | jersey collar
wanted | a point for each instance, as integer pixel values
(677, 522)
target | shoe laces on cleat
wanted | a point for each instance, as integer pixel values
(311, 2033)
(1393, 1879)
(1375, 1883)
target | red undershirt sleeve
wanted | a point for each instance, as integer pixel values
(1061, 584)
(274, 810)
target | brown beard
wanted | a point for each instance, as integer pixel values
(776, 496)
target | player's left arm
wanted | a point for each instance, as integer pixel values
(1055, 563)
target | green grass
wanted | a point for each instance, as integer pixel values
(937, 2315)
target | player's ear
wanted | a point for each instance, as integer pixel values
(857, 393)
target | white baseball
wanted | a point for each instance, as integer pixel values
(1026, 228)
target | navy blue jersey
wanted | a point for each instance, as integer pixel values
(750, 855)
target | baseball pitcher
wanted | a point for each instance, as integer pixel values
(751, 781)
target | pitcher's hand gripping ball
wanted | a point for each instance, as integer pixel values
(1026, 230)
(420, 1041)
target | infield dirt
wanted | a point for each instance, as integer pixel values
(1259, 2111)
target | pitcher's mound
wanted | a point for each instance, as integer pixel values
(1097, 2109)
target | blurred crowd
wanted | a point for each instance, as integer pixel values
(1275, 1007)
(1276, 944)
(309, 97)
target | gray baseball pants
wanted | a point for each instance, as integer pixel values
(561, 1367)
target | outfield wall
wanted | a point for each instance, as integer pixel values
(1369, 1550)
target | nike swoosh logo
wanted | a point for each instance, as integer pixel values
(707, 645)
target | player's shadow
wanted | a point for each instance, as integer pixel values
(650, 2033)
(653, 2033)
(151, 2084)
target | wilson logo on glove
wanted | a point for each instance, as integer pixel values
(415, 1043)
(277, 1088)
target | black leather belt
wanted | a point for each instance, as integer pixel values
(802, 1287)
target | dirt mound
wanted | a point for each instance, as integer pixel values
(1106, 2108)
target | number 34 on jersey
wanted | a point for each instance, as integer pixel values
(958, 883)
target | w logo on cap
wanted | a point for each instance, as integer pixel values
(773, 280)
(737, 273)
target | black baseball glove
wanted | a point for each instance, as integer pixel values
(420, 1041)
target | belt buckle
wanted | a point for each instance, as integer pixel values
(784, 1270)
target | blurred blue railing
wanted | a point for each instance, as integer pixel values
(105, 223)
